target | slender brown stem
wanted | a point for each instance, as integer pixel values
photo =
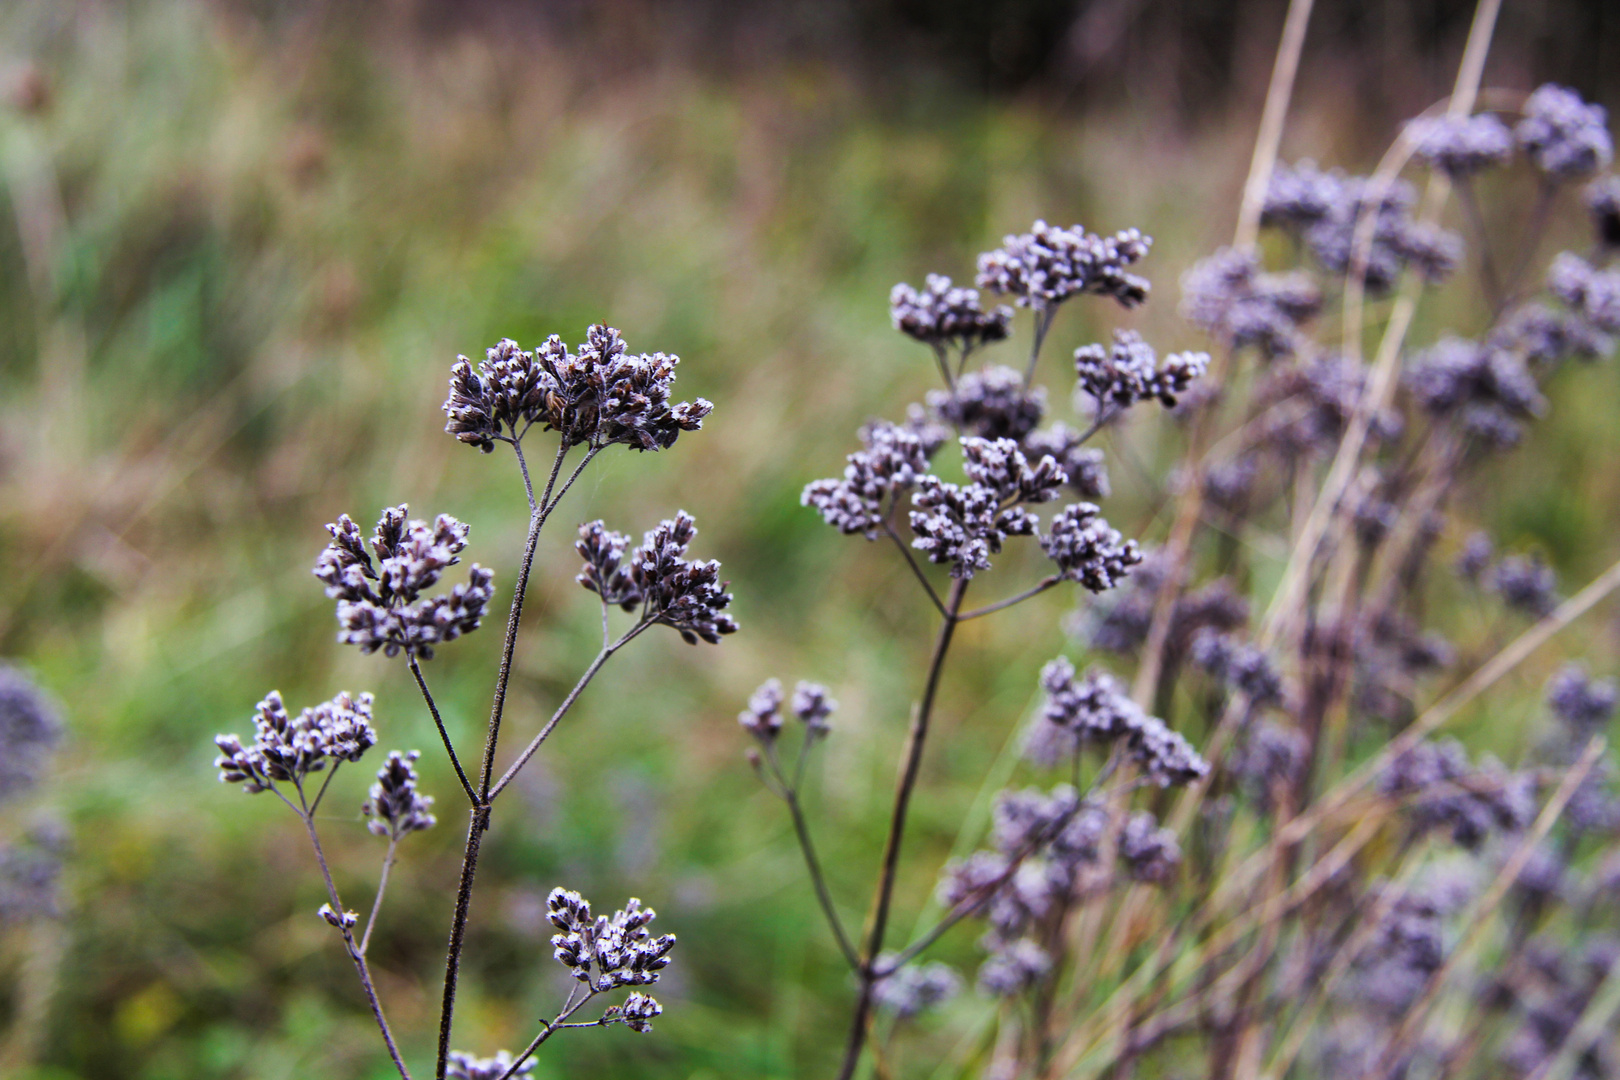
(356, 955)
(911, 561)
(546, 1032)
(562, 710)
(988, 609)
(915, 741)
(1489, 278)
(790, 796)
(478, 821)
(382, 887)
(449, 748)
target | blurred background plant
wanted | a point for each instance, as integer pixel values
(240, 244)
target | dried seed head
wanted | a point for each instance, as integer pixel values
(942, 314)
(1045, 266)
(288, 748)
(396, 807)
(1563, 135)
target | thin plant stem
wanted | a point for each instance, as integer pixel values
(551, 1026)
(562, 710)
(1035, 590)
(449, 748)
(911, 561)
(1487, 263)
(478, 822)
(1275, 111)
(945, 370)
(382, 887)
(790, 796)
(321, 794)
(355, 954)
(1043, 323)
(915, 741)
(1532, 233)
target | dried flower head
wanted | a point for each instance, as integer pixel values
(465, 1066)
(993, 404)
(1013, 967)
(289, 748)
(1100, 712)
(1300, 195)
(29, 729)
(1526, 583)
(1087, 549)
(1244, 667)
(917, 988)
(812, 706)
(1580, 701)
(380, 604)
(666, 586)
(1127, 373)
(893, 460)
(1045, 266)
(1148, 852)
(1445, 791)
(1228, 296)
(596, 397)
(1489, 391)
(396, 807)
(1461, 145)
(607, 952)
(1563, 135)
(962, 526)
(636, 1012)
(763, 717)
(1085, 468)
(1592, 294)
(943, 314)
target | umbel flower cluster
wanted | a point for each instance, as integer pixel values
(597, 396)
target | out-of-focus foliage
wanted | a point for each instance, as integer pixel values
(237, 257)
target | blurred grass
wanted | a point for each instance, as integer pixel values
(236, 260)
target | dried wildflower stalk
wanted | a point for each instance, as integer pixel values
(594, 397)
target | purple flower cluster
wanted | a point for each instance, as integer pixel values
(1045, 266)
(917, 988)
(1087, 550)
(993, 404)
(288, 748)
(1591, 294)
(464, 1066)
(29, 729)
(1563, 135)
(811, 706)
(1099, 712)
(599, 396)
(1244, 667)
(1085, 468)
(1121, 376)
(1461, 145)
(893, 460)
(1489, 391)
(1582, 703)
(942, 314)
(659, 579)
(1446, 791)
(380, 604)
(395, 806)
(962, 526)
(1228, 296)
(606, 952)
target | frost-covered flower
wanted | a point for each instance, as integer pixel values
(380, 603)
(605, 952)
(289, 748)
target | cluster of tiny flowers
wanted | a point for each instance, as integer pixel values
(993, 404)
(603, 952)
(465, 1066)
(1544, 336)
(1321, 395)
(1406, 949)
(962, 526)
(1123, 625)
(893, 460)
(1228, 296)
(1242, 666)
(1603, 205)
(1085, 467)
(1099, 712)
(1564, 136)
(396, 807)
(1591, 294)
(1448, 792)
(1148, 853)
(380, 604)
(1045, 266)
(1323, 208)
(943, 314)
(598, 397)
(1581, 702)
(810, 704)
(1087, 549)
(30, 874)
(29, 728)
(1489, 391)
(1127, 373)
(1391, 653)
(636, 1012)
(1526, 584)
(289, 748)
(1555, 992)
(659, 579)
(1461, 145)
(1268, 755)
(916, 989)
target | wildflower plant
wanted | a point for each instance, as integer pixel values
(392, 597)
(1257, 859)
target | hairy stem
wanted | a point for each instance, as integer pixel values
(546, 1032)
(790, 795)
(911, 561)
(915, 741)
(478, 822)
(999, 605)
(382, 887)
